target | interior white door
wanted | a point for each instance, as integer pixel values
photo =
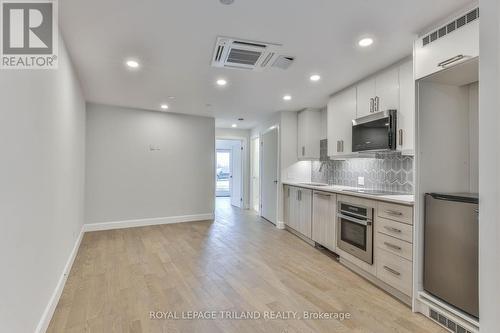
(236, 175)
(255, 174)
(269, 175)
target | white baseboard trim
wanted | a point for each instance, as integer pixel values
(280, 225)
(146, 222)
(44, 322)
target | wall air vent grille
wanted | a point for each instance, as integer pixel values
(447, 322)
(452, 26)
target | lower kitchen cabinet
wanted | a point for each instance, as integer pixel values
(324, 219)
(395, 271)
(298, 206)
(313, 214)
(394, 242)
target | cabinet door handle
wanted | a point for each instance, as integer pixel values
(390, 270)
(303, 150)
(392, 229)
(400, 135)
(393, 212)
(372, 103)
(395, 247)
(451, 60)
(322, 194)
(300, 195)
(288, 194)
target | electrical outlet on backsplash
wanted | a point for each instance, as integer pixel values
(388, 172)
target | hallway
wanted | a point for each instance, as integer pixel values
(237, 263)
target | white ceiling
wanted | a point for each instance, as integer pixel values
(174, 42)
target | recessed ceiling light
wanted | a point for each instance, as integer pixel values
(364, 42)
(315, 77)
(164, 107)
(132, 63)
(234, 125)
(287, 97)
(221, 82)
(171, 97)
(226, 2)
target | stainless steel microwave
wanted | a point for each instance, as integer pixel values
(375, 132)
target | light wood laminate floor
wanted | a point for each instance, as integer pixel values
(240, 262)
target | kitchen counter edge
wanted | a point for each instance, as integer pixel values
(403, 199)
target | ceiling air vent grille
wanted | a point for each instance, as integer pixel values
(243, 54)
(452, 26)
(447, 322)
(244, 57)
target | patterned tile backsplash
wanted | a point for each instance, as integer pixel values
(388, 172)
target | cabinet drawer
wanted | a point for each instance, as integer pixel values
(396, 212)
(394, 245)
(395, 271)
(395, 229)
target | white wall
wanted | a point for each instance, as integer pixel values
(244, 135)
(489, 166)
(474, 137)
(42, 140)
(126, 180)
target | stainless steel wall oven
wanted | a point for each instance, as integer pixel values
(355, 226)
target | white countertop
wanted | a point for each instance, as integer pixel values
(403, 199)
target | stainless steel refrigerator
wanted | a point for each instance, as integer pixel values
(451, 249)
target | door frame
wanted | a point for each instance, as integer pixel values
(230, 151)
(278, 173)
(252, 156)
(244, 161)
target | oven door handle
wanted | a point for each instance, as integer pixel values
(352, 219)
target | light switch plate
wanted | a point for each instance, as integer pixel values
(361, 181)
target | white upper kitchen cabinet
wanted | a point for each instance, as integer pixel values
(387, 90)
(378, 93)
(308, 134)
(406, 113)
(452, 43)
(341, 112)
(365, 97)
